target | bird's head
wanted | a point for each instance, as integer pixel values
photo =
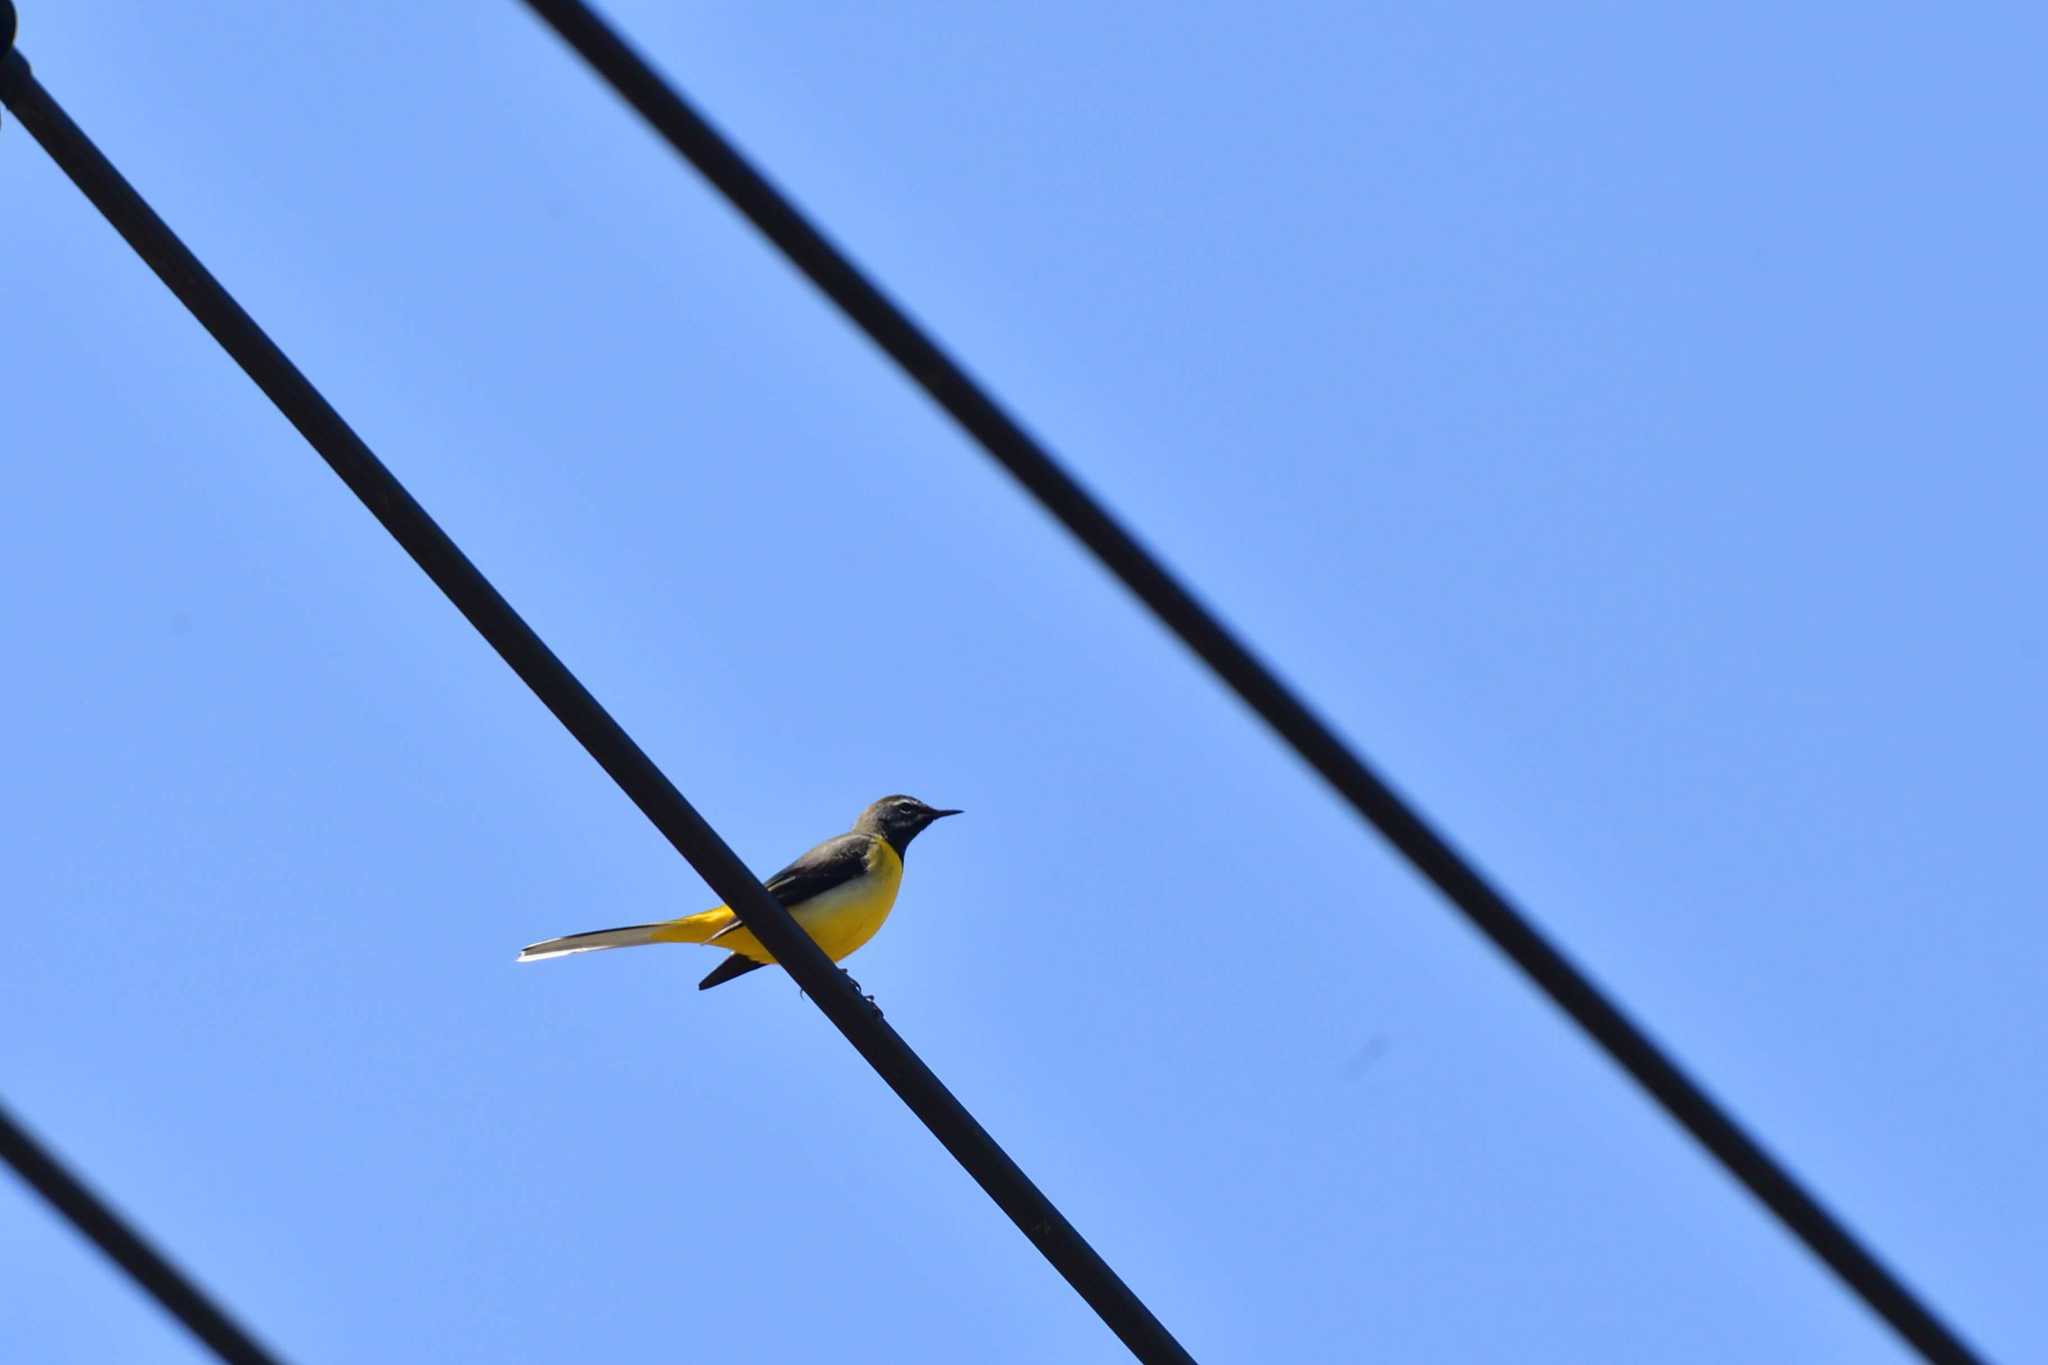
(899, 819)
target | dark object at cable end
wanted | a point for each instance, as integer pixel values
(13, 66)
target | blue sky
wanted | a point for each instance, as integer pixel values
(1624, 425)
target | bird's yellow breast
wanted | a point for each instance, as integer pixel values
(840, 920)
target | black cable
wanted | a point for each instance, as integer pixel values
(167, 1284)
(606, 742)
(663, 106)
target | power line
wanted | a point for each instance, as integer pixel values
(1488, 910)
(168, 1285)
(558, 688)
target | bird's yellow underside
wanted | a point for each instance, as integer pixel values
(839, 920)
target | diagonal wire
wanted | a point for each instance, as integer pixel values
(106, 1229)
(558, 688)
(663, 106)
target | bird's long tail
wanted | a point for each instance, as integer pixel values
(689, 929)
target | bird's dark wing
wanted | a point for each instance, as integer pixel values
(832, 863)
(734, 965)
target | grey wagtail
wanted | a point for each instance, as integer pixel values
(840, 892)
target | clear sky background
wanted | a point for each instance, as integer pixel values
(1626, 425)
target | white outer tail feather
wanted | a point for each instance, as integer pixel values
(630, 937)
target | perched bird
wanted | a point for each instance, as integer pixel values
(840, 892)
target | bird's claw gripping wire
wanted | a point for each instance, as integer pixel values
(857, 990)
(856, 986)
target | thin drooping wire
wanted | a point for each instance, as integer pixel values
(593, 727)
(147, 1266)
(664, 107)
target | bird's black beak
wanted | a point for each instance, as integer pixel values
(931, 815)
